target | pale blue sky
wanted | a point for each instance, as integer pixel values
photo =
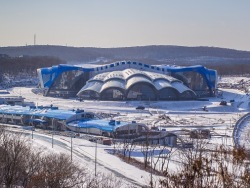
(118, 23)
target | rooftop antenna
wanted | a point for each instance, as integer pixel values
(34, 39)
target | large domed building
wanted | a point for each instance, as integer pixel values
(133, 84)
(128, 81)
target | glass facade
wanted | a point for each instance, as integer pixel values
(187, 95)
(68, 83)
(168, 94)
(90, 95)
(141, 91)
(112, 94)
(195, 81)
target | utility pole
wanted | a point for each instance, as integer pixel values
(71, 147)
(52, 132)
(95, 155)
(32, 131)
(151, 173)
(34, 39)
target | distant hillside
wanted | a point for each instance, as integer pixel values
(12, 68)
(178, 55)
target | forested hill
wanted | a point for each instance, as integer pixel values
(147, 54)
(24, 65)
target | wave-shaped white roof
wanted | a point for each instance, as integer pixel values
(160, 84)
(113, 84)
(180, 87)
(114, 75)
(92, 86)
(125, 79)
(137, 79)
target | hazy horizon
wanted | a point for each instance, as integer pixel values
(31, 45)
(117, 23)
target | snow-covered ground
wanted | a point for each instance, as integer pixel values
(181, 115)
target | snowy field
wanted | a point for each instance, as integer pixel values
(172, 116)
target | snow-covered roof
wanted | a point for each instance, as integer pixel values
(125, 79)
(51, 112)
(137, 79)
(100, 124)
(119, 84)
(180, 87)
(92, 86)
(160, 84)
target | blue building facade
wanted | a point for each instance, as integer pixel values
(53, 118)
(126, 80)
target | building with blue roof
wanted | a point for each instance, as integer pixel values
(52, 118)
(128, 80)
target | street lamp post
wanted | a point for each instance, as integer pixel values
(151, 173)
(95, 155)
(71, 147)
(52, 133)
(32, 131)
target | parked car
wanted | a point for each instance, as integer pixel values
(140, 108)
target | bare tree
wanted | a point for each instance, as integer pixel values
(125, 146)
(131, 149)
(103, 181)
(145, 149)
(162, 158)
(206, 167)
(58, 171)
(32, 164)
(22, 166)
(13, 158)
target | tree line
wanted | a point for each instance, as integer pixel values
(23, 166)
(25, 64)
(226, 69)
(29, 64)
(238, 69)
(195, 167)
